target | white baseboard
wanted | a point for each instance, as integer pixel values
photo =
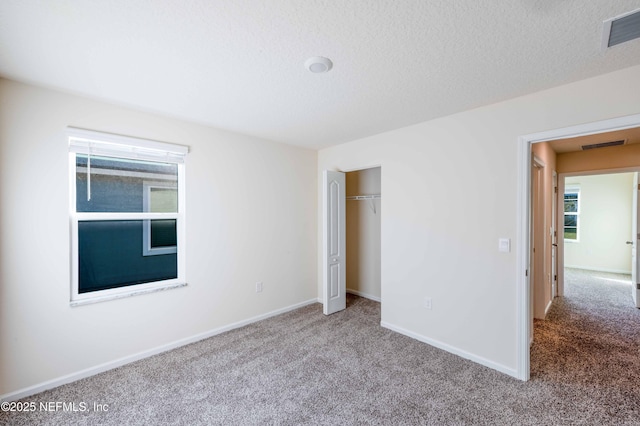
(452, 349)
(365, 295)
(591, 268)
(91, 371)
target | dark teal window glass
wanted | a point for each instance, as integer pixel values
(111, 254)
(163, 233)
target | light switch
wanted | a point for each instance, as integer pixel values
(504, 245)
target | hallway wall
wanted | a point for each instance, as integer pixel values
(542, 290)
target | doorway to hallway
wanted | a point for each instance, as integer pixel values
(573, 138)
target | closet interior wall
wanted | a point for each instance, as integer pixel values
(363, 233)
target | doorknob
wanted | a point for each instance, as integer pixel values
(554, 245)
(629, 242)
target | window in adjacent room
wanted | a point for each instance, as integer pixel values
(127, 215)
(159, 236)
(571, 213)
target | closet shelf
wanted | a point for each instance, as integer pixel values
(364, 197)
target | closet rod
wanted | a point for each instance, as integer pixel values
(364, 197)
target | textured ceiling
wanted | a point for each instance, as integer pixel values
(238, 64)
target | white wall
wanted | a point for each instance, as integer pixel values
(363, 234)
(605, 223)
(251, 216)
(450, 191)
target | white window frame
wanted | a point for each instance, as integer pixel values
(104, 144)
(572, 189)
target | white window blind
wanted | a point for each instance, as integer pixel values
(92, 143)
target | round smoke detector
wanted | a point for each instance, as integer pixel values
(318, 64)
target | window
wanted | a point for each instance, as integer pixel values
(127, 216)
(571, 213)
(159, 236)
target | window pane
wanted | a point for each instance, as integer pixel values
(570, 206)
(111, 256)
(571, 233)
(118, 185)
(163, 200)
(163, 233)
(570, 220)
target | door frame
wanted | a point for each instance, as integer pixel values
(524, 221)
(635, 217)
(554, 236)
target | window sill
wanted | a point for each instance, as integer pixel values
(99, 299)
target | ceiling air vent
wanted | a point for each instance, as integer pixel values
(602, 145)
(621, 28)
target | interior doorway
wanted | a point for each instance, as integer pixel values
(525, 223)
(598, 216)
(600, 232)
(363, 232)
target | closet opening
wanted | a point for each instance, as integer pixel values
(363, 230)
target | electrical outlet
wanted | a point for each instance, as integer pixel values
(427, 303)
(259, 287)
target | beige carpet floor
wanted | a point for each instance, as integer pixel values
(304, 368)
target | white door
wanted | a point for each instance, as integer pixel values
(634, 243)
(334, 242)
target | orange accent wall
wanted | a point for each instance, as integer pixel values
(615, 157)
(542, 294)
